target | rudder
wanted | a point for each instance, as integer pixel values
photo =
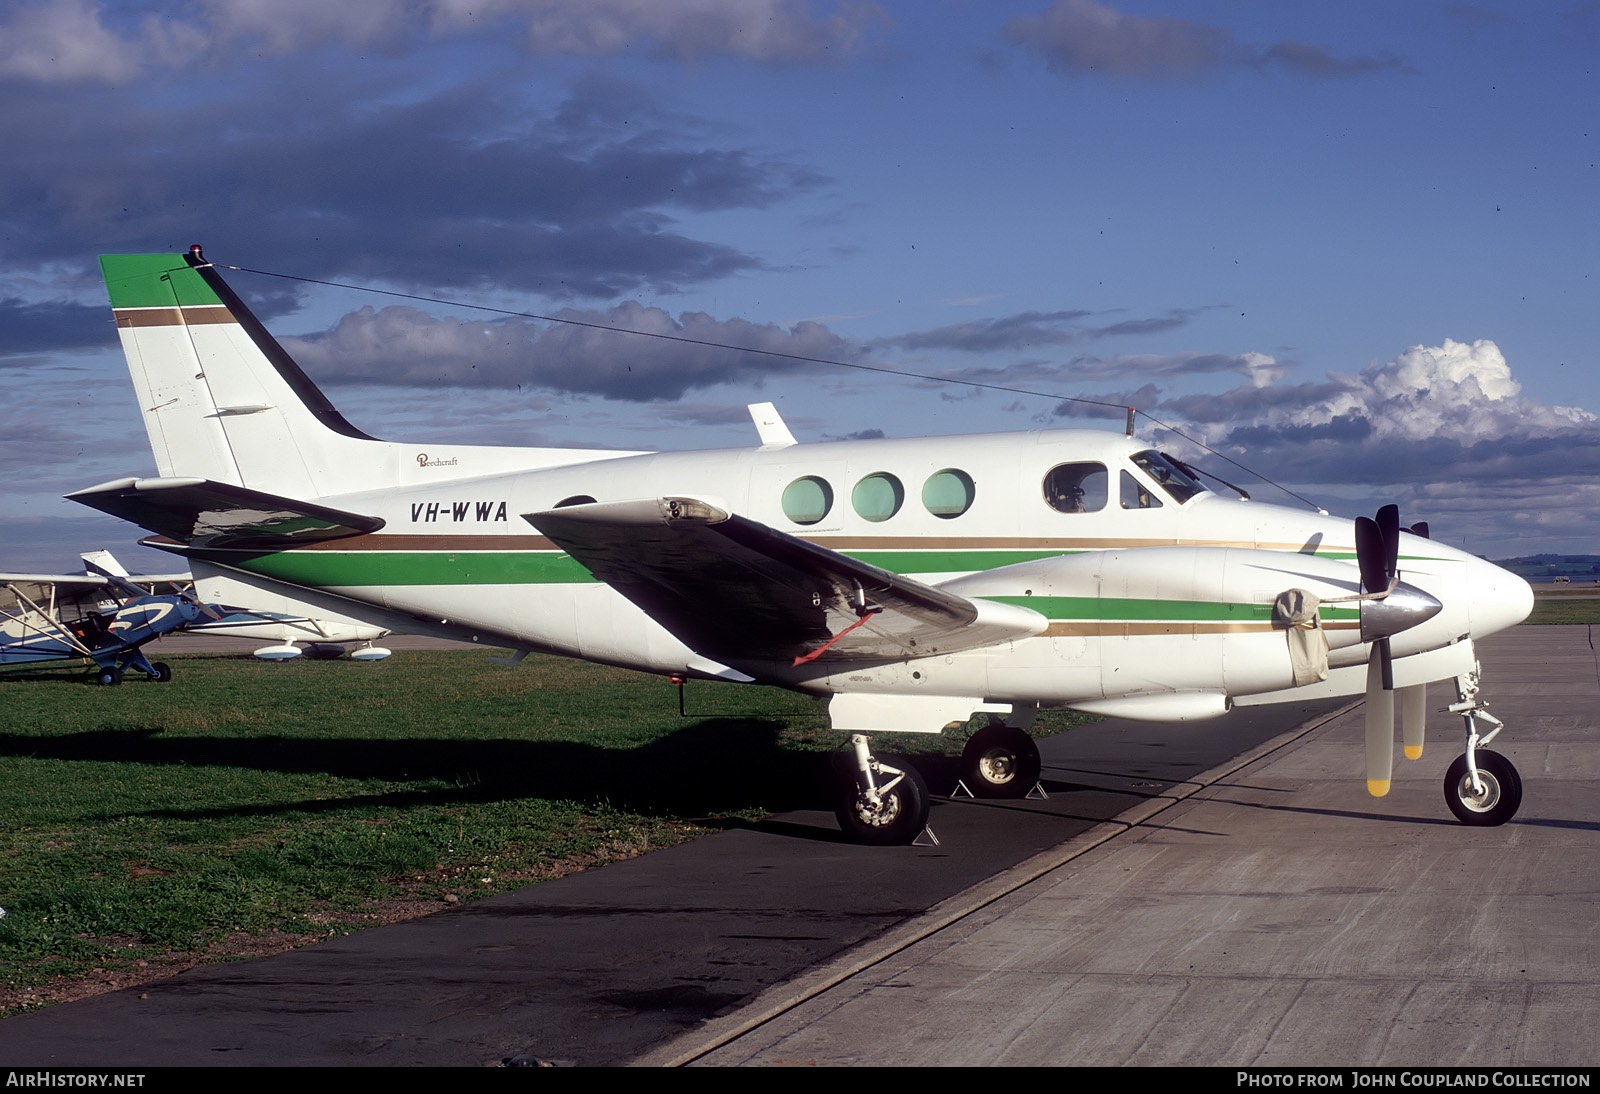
(221, 399)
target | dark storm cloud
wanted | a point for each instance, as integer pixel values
(1109, 404)
(462, 188)
(400, 345)
(1029, 328)
(1081, 37)
(1248, 403)
(35, 328)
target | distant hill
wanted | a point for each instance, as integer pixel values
(1545, 567)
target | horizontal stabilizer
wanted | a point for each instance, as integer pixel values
(202, 513)
(735, 590)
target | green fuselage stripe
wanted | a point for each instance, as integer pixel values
(355, 569)
(1063, 608)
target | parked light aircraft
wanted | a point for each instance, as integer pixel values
(914, 582)
(325, 638)
(93, 615)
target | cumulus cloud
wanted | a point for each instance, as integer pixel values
(1456, 389)
(1446, 413)
(81, 41)
(1078, 37)
(400, 345)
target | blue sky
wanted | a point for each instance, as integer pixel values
(1350, 245)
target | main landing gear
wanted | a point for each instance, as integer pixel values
(877, 804)
(1482, 787)
(882, 805)
(111, 675)
(1000, 761)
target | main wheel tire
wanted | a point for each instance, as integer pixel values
(1000, 762)
(1502, 790)
(110, 676)
(899, 817)
(163, 672)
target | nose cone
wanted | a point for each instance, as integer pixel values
(1402, 609)
(1499, 598)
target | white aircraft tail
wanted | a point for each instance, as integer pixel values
(223, 401)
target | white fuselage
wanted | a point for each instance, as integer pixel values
(1157, 598)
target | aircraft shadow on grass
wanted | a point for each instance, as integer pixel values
(710, 766)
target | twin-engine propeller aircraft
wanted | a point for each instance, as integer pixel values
(914, 582)
(325, 639)
(99, 616)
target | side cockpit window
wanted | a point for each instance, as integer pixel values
(1136, 495)
(1169, 476)
(1076, 487)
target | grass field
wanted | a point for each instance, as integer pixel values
(1559, 608)
(246, 807)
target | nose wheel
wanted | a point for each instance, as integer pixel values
(1487, 797)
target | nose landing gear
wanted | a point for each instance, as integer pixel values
(1482, 787)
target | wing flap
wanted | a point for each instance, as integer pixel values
(203, 513)
(736, 590)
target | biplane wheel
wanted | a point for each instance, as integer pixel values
(899, 817)
(110, 676)
(163, 672)
(1000, 761)
(1501, 795)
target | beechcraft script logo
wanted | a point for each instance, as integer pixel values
(453, 510)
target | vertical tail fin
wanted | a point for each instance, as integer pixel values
(221, 398)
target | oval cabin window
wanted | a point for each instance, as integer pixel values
(807, 500)
(878, 496)
(948, 493)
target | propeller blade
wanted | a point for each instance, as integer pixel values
(1380, 727)
(1385, 664)
(1370, 555)
(1419, 529)
(1413, 718)
(1389, 525)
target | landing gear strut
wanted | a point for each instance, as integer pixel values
(110, 675)
(878, 804)
(1482, 787)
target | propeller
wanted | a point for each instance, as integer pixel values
(1388, 607)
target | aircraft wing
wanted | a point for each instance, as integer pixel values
(203, 513)
(23, 593)
(735, 590)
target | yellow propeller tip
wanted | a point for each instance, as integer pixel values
(1377, 787)
(1413, 752)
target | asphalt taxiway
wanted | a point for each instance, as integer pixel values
(1220, 893)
